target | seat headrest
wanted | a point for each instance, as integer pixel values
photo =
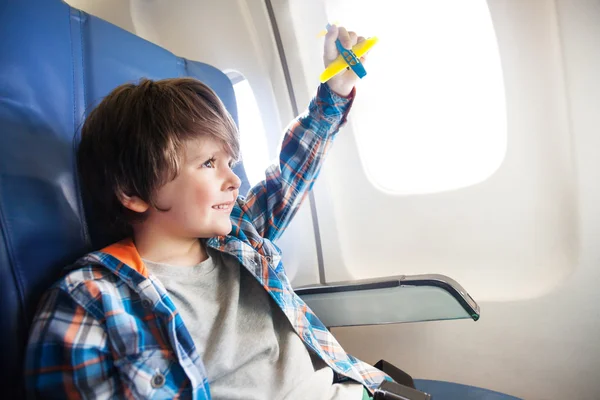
(57, 63)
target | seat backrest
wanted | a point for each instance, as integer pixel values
(56, 63)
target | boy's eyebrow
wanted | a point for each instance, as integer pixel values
(203, 154)
(198, 157)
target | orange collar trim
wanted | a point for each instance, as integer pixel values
(126, 252)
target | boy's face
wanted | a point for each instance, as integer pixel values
(200, 199)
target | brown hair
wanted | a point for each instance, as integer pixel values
(131, 143)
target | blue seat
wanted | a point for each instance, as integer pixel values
(440, 390)
(56, 63)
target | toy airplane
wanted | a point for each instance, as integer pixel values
(348, 58)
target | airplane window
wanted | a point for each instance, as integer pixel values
(431, 114)
(252, 132)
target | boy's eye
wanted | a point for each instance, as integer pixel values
(209, 163)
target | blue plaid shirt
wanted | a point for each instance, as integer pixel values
(110, 329)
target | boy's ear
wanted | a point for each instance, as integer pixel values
(134, 203)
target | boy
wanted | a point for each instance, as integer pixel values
(194, 303)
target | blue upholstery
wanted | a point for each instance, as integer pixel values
(56, 63)
(440, 390)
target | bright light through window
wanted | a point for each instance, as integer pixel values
(430, 115)
(252, 132)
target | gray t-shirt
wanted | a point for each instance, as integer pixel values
(248, 346)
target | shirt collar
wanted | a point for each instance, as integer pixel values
(124, 259)
(126, 252)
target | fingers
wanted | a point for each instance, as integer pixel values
(353, 38)
(345, 38)
(330, 50)
(348, 39)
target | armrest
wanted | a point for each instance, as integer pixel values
(389, 300)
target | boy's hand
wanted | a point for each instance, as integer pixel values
(343, 82)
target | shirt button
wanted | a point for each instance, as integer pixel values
(146, 303)
(268, 259)
(158, 380)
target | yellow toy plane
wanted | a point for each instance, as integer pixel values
(349, 58)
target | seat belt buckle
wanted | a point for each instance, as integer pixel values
(389, 390)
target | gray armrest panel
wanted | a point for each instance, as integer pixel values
(390, 300)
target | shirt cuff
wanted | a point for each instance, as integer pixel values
(331, 106)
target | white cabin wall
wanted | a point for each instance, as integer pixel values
(544, 345)
(299, 22)
(116, 12)
(499, 232)
(542, 348)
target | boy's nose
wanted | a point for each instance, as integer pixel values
(232, 182)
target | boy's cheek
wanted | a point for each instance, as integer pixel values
(202, 197)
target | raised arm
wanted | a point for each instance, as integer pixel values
(271, 204)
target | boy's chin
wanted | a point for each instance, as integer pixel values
(223, 229)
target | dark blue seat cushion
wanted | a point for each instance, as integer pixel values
(56, 63)
(440, 390)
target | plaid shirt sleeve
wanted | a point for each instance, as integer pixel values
(68, 355)
(272, 203)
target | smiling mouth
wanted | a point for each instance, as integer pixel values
(223, 206)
